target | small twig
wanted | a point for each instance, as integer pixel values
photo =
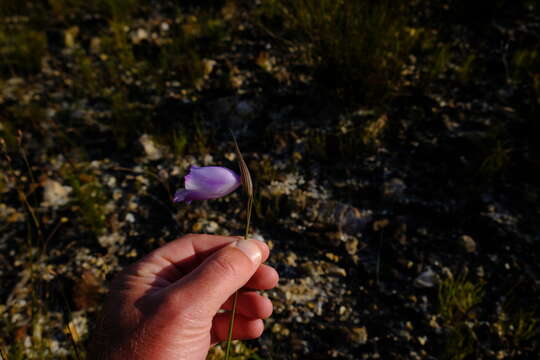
(2, 354)
(21, 194)
(23, 154)
(30, 209)
(73, 343)
(51, 235)
(72, 339)
(378, 270)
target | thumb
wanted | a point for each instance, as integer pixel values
(217, 278)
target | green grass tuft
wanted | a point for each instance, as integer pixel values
(89, 198)
(356, 49)
(457, 301)
(21, 49)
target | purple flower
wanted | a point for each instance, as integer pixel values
(209, 182)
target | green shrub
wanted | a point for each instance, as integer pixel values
(89, 198)
(110, 9)
(197, 37)
(117, 51)
(356, 49)
(21, 49)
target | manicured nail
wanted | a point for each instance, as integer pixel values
(250, 248)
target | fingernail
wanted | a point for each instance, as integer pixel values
(251, 250)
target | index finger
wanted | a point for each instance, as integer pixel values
(179, 257)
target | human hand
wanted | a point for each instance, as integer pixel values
(165, 306)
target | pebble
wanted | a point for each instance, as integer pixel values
(208, 66)
(394, 188)
(244, 108)
(139, 36)
(426, 279)
(468, 243)
(110, 240)
(210, 227)
(150, 148)
(110, 181)
(480, 272)
(359, 335)
(55, 194)
(405, 335)
(351, 245)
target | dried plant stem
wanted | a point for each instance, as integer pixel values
(25, 158)
(248, 216)
(235, 297)
(231, 324)
(21, 194)
(30, 209)
(248, 188)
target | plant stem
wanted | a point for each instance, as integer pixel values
(231, 324)
(73, 342)
(235, 297)
(249, 206)
(248, 188)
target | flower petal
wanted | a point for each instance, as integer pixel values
(188, 196)
(210, 182)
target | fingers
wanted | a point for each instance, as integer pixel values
(208, 286)
(266, 277)
(244, 327)
(179, 257)
(250, 304)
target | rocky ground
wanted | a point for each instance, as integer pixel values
(403, 230)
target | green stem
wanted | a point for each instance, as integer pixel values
(235, 297)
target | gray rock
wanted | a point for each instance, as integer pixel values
(426, 279)
(394, 188)
(347, 218)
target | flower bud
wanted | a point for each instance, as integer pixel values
(205, 183)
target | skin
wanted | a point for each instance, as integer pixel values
(167, 305)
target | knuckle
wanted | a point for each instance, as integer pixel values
(169, 302)
(224, 265)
